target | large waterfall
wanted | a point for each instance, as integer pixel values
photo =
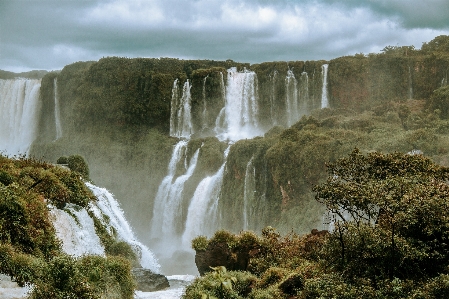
(241, 107)
(58, 125)
(181, 117)
(202, 216)
(291, 99)
(324, 97)
(75, 228)
(19, 111)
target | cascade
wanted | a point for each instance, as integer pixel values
(239, 117)
(57, 110)
(204, 114)
(248, 192)
(273, 98)
(107, 205)
(324, 97)
(180, 111)
(169, 200)
(304, 107)
(291, 100)
(202, 216)
(173, 108)
(76, 230)
(19, 110)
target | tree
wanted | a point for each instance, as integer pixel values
(390, 214)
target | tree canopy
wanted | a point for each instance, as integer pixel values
(390, 214)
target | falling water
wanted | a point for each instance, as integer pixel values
(180, 113)
(204, 114)
(248, 192)
(239, 116)
(174, 108)
(171, 196)
(324, 97)
(291, 100)
(19, 110)
(304, 106)
(76, 230)
(57, 111)
(202, 214)
(108, 206)
(273, 98)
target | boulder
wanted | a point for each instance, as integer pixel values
(148, 281)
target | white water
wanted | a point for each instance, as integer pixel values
(170, 197)
(239, 118)
(274, 120)
(180, 114)
(178, 284)
(57, 110)
(291, 99)
(19, 111)
(77, 235)
(107, 205)
(304, 94)
(248, 192)
(202, 217)
(204, 114)
(324, 97)
(174, 108)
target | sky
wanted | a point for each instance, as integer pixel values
(49, 34)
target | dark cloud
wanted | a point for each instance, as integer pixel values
(50, 34)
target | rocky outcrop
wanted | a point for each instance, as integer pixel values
(147, 281)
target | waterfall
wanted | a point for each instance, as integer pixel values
(170, 198)
(180, 111)
(204, 114)
(291, 99)
(57, 110)
(248, 192)
(273, 98)
(202, 214)
(174, 108)
(19, 111)
(107, 205)
(241, 107)
(304, 107)
(324, 97)
(76, 230)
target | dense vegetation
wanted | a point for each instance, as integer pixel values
(29, 249)
(389, 214)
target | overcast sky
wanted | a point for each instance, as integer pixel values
(41, 34)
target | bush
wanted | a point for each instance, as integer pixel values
(78, 164)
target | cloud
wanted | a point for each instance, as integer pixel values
(49, 34)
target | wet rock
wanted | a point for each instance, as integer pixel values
(147, 281)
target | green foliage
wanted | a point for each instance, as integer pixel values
(396, 215)
(221, 284)
(78, 164)
(62, 160)
(200, 243)
(440, 100)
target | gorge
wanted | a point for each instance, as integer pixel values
(190, 147)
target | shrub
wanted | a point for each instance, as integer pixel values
(78, 164)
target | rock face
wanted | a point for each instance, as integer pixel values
(219, 254)
(148, 281)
